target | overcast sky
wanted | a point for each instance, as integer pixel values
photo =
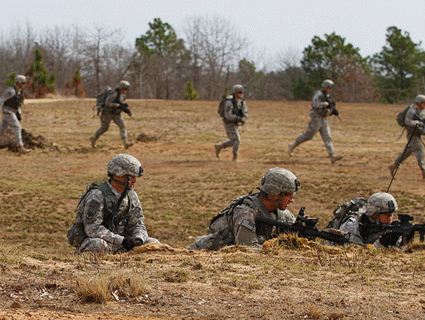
(272, 27)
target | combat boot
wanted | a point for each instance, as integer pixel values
(127, 144)
(23, 150)
(335, 158)
(217, 150)
(235, 157)
(93, 142)
(291, 148)
(392, 169)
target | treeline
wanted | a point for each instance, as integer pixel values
(209, 56)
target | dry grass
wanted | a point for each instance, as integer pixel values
(184, 185)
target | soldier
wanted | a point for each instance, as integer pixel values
(237, 225)
(235, 113)
(380, 208)
(318, 113)
(112, 111)
(413, 117)
(109, 215)
(11, 102)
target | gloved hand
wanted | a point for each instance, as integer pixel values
(128, 244)
(138, 242)
(18, 116)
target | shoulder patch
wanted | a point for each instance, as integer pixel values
(94, 206)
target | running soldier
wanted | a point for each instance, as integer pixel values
(112, 111)
(109, 215)
(237, 225)
(235, 113)
(318, 114)
(11, 102)
(413, 118)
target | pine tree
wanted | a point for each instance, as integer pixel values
(190, 94)
(39, 83)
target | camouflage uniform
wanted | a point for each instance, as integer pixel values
(377, 203)
(235, 112)
(98, 229)
(11, 101)
(110, 113)
(225, 229)
(318, 122)
(239, 226)
(416, 147)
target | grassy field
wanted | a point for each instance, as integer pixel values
(183, 187)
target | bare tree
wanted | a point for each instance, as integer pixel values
(215, 44)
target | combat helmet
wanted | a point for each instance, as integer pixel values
(124, 85)
(419, 99)
(124, 164)
(381, 202)
(279, 181)
(327, 84)
(237, 88)
(20, 79)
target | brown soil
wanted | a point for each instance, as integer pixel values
(184, 185)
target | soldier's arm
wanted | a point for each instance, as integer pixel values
(109, 101)
(228, 108)
(244, 225)
(135, 226)
(351, 226)
(93, 215)
(8, 93)
(319, 101)
(411, 118)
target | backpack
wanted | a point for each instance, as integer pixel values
(344, 211)
(101, 98)
(223, 103)
(228, 211)
(401, 117)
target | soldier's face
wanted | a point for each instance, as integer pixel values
(328, 90)
(387, 218)
(287, 199)
(123, 91)
(238, 95)
(124, 179)
(20, 85)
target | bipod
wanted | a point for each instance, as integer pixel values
(402, 156)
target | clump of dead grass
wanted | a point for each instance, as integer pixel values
(103, 287)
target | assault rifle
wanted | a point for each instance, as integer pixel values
(400, 228)
(332, 107)
(305, 227)
(124, 107)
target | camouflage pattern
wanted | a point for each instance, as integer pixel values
(420, 98)
(240, 227)
(104, 237)
(124, 85)
(415, 147)
(237, 88)
(318, 122)
(9, 114)
(125, 164)
(230, 123)
(20, 79)
(379, 202)
(111, 113)
(327, 84)
(278, 180)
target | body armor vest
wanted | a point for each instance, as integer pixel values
(16, 101)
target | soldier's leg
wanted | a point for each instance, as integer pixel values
(119, 120)
(312, 128)
(325, 132)
(151, 240)
(105, 120)
(10, 119)
(201, 242)
(418, 150)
